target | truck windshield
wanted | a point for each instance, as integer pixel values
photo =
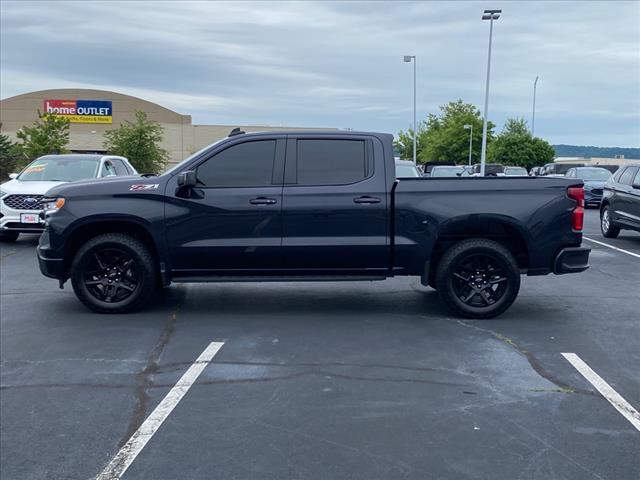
(67, 168)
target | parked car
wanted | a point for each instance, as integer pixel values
(442, 171)
(405, 168)
(594, 179)
(620, 207)
(535, 171)
(558, 169)
(611, 168)
(295, 205)
(515, 172)
(20, 197)
(490, 169)
(431, 165)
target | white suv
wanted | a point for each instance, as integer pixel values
(20, 197)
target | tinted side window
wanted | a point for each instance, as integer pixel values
(333, 162)
(243, 165)
(627, 176)
(636, 181)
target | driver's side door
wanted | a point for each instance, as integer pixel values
(231, 222)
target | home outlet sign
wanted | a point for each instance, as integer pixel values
(81, 111)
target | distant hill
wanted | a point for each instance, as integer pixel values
(588, 151)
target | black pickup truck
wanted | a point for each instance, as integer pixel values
(292, 206)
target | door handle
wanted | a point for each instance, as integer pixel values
(263, 201)
(366, 199)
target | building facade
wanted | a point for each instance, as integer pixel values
(92, 112)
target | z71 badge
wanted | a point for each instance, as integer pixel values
(143, 186)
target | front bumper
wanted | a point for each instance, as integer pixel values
(51, 267)
(571, 260)
(11, 220)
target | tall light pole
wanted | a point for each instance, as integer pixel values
(533, 115)
(488, 15)
(469, 127)
(408, 59)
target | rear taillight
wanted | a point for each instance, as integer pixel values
(577, 218)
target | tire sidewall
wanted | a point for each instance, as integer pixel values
(147, 278)
(612, 231)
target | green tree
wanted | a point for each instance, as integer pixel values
(139, 141)
(445, 138)
(403, 143)
(49, 134)
(516, 146)
(10, 158)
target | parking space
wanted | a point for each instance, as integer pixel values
(325, 380)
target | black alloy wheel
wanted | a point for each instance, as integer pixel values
(479, 280)
(112, 275)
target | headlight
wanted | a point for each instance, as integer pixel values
(2, 193)
(52, 205)
(588, 186)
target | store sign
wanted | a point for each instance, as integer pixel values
(81, 111)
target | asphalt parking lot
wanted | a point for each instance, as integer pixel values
(324, 380)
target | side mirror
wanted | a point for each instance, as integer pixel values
(13, 176)
(187, 179)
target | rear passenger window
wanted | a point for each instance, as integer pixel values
(119, 166)
(627, 176)
(636, 180)
(247, 164)
(333, 162)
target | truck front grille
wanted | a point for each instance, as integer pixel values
(23, 202)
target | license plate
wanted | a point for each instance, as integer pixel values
(29, 218)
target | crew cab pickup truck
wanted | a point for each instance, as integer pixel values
(293, 206)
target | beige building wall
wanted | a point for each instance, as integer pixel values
(181, 138)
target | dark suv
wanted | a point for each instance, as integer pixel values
(621, 202)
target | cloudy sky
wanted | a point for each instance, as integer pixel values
(339, 64)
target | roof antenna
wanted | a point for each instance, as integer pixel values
(236, 131)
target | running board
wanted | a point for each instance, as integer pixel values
(278, 278)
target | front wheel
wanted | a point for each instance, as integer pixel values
(478, 278)
(607, 227)
(113, 273)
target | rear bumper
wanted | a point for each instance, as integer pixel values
(571, 260)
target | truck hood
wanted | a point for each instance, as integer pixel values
(100, 185)
(28, 188)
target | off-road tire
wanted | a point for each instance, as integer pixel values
(478, 248)
(143, 261)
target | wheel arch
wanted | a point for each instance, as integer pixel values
(91, 227)
(504, 230)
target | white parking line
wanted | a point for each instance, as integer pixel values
(127, 454)
(605, 389)
(611, 246)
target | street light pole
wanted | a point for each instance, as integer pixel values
(488, 15)
(470, 127)
(533, 116)
(407, 59)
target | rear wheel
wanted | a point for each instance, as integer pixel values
(478, 278)
(608, 228)
(9, 237)
(113, 273)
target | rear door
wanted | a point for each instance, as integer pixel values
(626, 198)
(335, 212)
(231, 222)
